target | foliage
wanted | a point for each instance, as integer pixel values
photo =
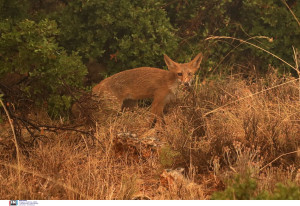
(241, 188)
(126, 34)
(14, 10)
(30, 49)
(243, 19)
(271, 18)
(283, 192)
(245, 188)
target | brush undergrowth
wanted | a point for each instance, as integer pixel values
(223, 129)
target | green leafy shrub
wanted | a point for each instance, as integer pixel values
(125, 34)
(14, 10)
(242, 19)
(283, 192)
(243, 187)
(30, 49)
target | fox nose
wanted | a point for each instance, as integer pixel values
(186, 84)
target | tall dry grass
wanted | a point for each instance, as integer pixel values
(220, 128)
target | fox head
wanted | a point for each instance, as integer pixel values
(185, 72)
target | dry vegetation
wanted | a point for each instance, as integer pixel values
(221, 128)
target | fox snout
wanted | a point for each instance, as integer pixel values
(187, 82)
(186, 78)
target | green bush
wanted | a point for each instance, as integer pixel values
(242, 19)
(243, 187)
(286, 192)
(124, 34)
(14, 10)
(30, 49)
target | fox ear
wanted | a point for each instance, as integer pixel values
(170, 63)
(195, 63)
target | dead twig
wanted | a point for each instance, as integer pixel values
(15, 142)
(295, 17)
(251, 95)
(258, 47)
(278, 158)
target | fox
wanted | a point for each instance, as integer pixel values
(148, 83)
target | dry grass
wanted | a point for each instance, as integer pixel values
(220, 128)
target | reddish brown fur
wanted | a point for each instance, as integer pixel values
(147, 82)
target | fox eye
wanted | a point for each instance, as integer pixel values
(190, 74)
(179, 74)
